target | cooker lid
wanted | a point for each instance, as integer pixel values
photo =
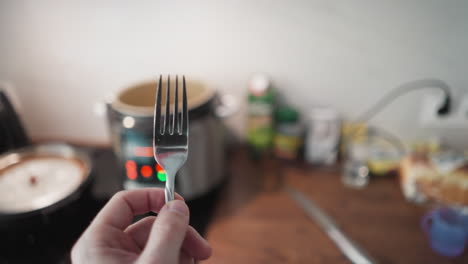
(139, 99)
(36, 178)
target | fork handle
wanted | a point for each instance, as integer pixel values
(169, 190)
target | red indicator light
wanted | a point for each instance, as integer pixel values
(143, 152)
(146, 171)
(130, 164)
(159, 168)
(130, 167)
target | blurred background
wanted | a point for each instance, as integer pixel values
(344, 54)
(356, 110)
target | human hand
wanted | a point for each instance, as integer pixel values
(165, 239)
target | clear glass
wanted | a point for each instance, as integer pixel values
(355, 172)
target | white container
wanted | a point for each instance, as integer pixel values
(323, 135)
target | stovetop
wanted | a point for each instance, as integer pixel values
(53, 240)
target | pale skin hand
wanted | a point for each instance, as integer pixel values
(165, 239)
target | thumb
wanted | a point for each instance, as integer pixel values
(167, 234)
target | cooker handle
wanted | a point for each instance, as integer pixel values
(101, 108)
(226, 106)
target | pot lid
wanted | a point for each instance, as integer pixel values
(35, 178)
(139, 99)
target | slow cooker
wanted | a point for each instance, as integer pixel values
(130, 116)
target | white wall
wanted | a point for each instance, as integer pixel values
(63, 56)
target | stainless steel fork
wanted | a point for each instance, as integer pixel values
(170, 133)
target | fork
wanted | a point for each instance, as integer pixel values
(170, 134)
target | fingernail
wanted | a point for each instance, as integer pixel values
(179, 207)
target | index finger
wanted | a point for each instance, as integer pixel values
(124, 205)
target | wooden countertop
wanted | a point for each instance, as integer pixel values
(257, 222)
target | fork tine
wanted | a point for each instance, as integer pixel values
(175, 121)
(157, 109)
(168, 101)
(184, 108)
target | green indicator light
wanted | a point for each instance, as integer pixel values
(162, 176)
